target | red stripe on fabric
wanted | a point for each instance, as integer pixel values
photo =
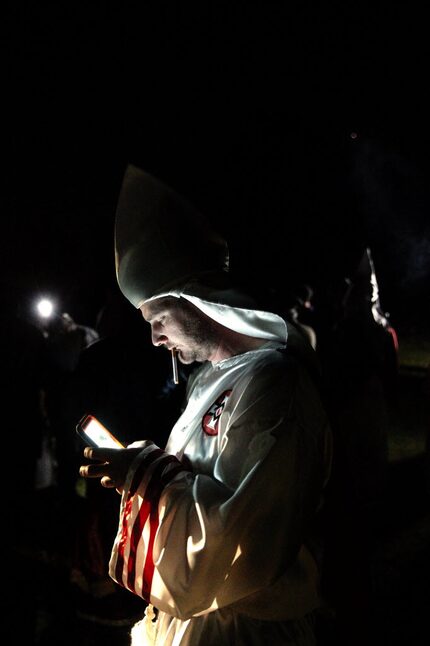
(141, 519)
(138, 526)
(148, 569)
(119, 566)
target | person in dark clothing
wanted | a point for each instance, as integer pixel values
(360, 373)
(300, 311)
(65, 340)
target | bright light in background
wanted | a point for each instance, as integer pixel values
(45, 308)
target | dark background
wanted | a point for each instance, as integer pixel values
(300, 129)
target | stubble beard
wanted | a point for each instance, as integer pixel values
(200, 341)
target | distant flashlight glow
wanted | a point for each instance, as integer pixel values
(45, 308)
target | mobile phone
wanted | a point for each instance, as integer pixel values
(95, 434)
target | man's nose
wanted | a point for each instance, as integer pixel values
(157, 338)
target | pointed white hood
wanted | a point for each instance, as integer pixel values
(164, 247)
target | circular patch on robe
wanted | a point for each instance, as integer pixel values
(212, 416)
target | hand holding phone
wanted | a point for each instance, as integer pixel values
(95, 434)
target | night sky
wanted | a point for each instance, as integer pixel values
(299, 129)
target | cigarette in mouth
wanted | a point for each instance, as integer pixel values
(175, 367)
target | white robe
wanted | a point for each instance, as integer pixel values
(213, 530)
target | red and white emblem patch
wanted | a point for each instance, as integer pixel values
(211, 418)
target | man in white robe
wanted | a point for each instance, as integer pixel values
(216, 531)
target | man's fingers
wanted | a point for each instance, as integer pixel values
(94, 470)
(110, 465)
(108, 482)
(101, 454)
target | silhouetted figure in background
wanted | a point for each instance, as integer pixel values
(65, 342)
(300, 312)
(360, 372)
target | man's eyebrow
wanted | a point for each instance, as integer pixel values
(158, 306)
(153, 313)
